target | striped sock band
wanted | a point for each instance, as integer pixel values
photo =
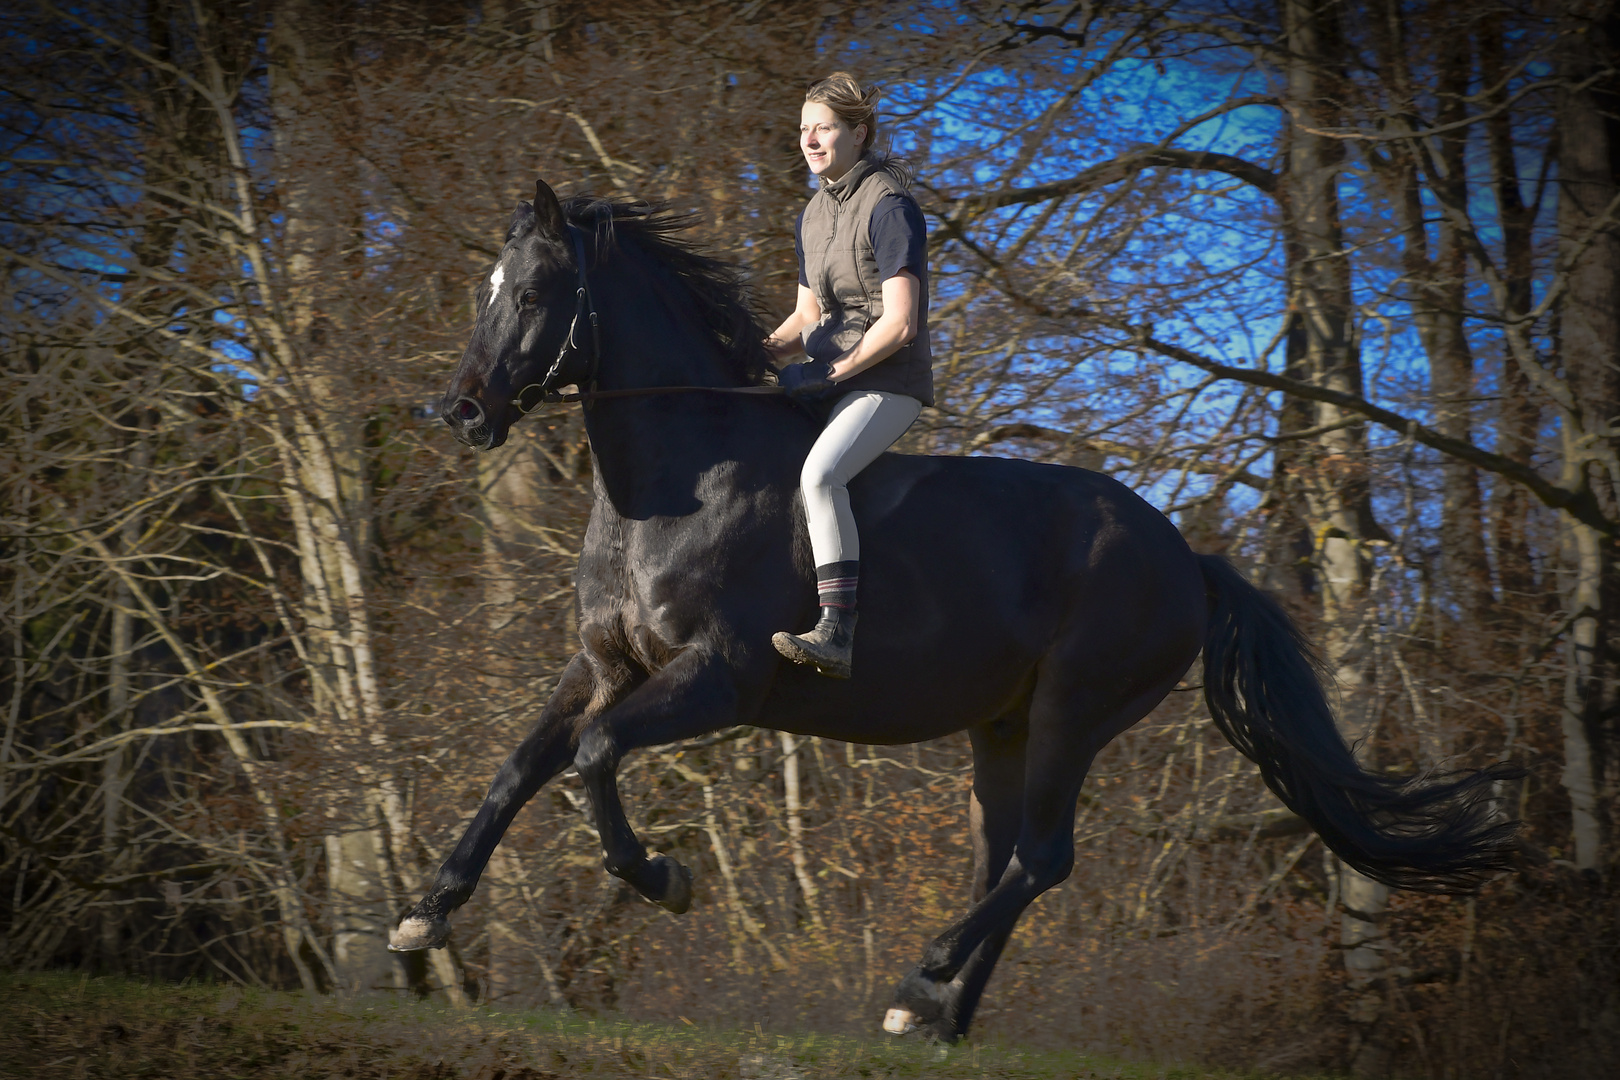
(835, 583)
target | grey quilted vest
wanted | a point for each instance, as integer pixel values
(842, 270)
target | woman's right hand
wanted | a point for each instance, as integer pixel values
(786, 340)
(780, 347)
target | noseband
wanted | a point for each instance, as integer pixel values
(584, 308)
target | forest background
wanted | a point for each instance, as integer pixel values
(1335, 285)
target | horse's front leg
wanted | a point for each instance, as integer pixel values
(696, 693)
(544, 753)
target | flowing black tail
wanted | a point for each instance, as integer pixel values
(1263, 684)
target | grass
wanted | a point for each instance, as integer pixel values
(67, 1025)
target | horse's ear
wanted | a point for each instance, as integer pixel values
(522, 220)
(548, 215)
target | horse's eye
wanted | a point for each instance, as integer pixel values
(530, 298)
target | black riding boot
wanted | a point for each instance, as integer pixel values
(827, 647)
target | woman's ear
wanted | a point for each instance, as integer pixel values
(860, 135)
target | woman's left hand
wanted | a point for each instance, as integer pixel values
(807, 380)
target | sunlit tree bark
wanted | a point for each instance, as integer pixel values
(326, 474)
(1589, 194)
(1338, 490)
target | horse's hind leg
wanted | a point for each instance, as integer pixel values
(1065, 733)
(995, 814)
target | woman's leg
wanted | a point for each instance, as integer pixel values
(862, 426)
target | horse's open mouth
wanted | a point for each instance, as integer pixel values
(479, 437)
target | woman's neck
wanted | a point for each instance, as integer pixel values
(858, 166)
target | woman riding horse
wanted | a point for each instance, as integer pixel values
(862, 317)
(1041, 609)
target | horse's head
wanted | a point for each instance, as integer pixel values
(526, 341)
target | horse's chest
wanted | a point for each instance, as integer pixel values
(658, 572)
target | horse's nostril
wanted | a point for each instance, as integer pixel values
(467, 410)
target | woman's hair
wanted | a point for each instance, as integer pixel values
(856, 105)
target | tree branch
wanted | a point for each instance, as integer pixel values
(1132, 454)
(1112, 172)
(1578, 503)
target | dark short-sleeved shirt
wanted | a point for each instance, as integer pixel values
(899, 238)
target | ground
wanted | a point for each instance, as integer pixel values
(72, 1025)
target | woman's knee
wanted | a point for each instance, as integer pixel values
(819, 478)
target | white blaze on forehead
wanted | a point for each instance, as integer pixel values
(495, 280)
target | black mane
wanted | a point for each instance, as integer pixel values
(718, 290)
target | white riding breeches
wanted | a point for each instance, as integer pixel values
(863, 425)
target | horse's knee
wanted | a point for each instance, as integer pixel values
(598, 752)
(1046, 867)
(1031, 871)
(507, 787)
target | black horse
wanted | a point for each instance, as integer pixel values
(1042, 609)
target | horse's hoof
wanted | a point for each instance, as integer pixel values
(675, 894)
(919, 1002)
(415, 933)
(900, 1021)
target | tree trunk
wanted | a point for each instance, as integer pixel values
(505, 939)
(1589, 146)
(115, 766)
(325, 474)
(1583, 694)
(1519, 414)
(1338, 492)
(114, 770)
(795, 826)
(512, 502)
(360, 916)
(1442, 290)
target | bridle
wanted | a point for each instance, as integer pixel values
(585, 309)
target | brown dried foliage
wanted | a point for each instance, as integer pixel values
(241, 246)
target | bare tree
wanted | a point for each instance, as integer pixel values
(267, 634)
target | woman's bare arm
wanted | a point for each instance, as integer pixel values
(787, 339)
(898, 325)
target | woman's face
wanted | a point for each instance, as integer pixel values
(829, 146)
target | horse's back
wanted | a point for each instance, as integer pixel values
(1032, 525)
(973, 571)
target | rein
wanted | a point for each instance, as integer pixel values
(585, 307)
(643, 391)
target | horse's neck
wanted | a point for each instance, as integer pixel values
(653, 454)
(647, 448)
(651, 333)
